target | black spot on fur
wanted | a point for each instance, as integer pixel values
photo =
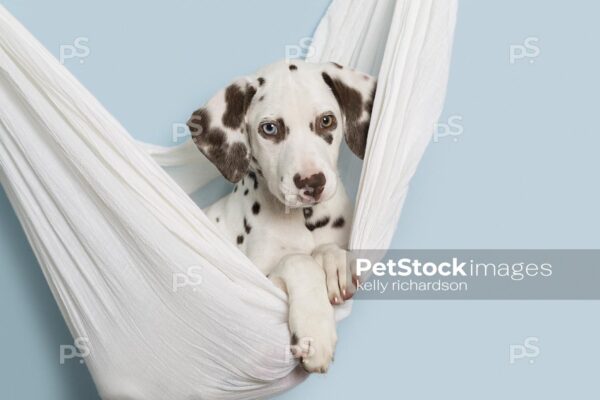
(339, 222)
(252, 176)
(247, 227)
(318, 224)
(255, 208)
(261, 81)
(308, 212)
(294, 339)
(338, 65)
(261, 98)
(246, 192)
(312, 127)
(218, 219)
(235, 189)
(240, 239)
(293, 67)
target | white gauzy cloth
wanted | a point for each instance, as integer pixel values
(112, 230)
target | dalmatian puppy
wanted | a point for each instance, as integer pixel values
(276, 135)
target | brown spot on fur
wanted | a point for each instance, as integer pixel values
(315, 182)
(282, 131)
(351, 104)
(369, 102)
(235, 161)
(325, 132)
(237, 100)
(198, 122)
(231, 160)
(194, 125)
(349, 99)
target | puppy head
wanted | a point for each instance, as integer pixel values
(286, 124)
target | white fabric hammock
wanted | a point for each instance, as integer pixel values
(110, 228)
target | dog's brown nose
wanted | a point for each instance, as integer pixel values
(313, 185)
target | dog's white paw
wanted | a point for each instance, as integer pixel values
(313, 336)
(338, 272)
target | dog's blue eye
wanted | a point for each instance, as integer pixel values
(269, 128)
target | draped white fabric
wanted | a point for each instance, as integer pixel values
(111, 230)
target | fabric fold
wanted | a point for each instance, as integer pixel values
(169, 308)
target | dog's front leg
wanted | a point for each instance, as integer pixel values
(311, 319)
(340, 278)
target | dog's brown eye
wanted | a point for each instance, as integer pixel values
(327, 121)
(269, 128)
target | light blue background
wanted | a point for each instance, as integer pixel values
(523, 174)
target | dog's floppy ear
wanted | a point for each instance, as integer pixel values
(218, 129)
(354, 92)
